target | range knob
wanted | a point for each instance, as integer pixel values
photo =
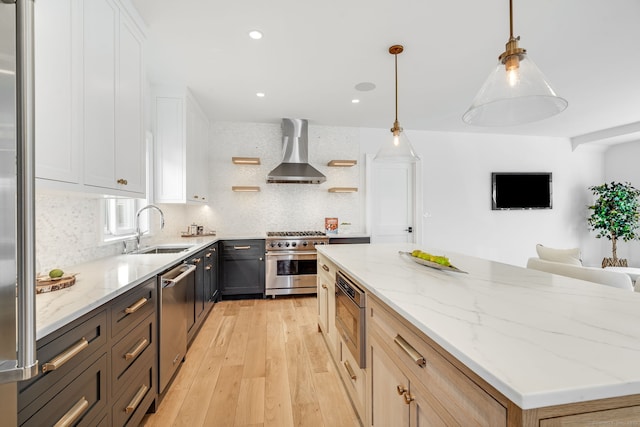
(305, 243)
(279, 244)
(293, 244)
(272, 244)
(287, 244)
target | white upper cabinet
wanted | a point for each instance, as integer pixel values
(181, 147)
(58, 143)
(113, 83)
(89, 96)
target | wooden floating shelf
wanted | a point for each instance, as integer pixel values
(245, 189)
(245, 160)
(343, 190)
(342, 163)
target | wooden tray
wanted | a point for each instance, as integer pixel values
(434, 265)
(46, 284)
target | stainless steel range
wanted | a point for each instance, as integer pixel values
(292, 261)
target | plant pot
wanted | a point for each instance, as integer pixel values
(610, 262)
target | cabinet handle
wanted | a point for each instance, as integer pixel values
(324, 267)
(208, 255)
(347, 366)
(196, 260)
(135, 307)
(408, 398)
(73, 414)
(64, 357)
(122, 181)
(324, 286)
(136, 399)
(208, 267)
(137, 350)
(195, 197)
(401, 389)
(242, 248)
(411, 352)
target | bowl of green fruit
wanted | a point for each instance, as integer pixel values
(439, 262)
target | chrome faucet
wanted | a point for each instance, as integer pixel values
(138, 232)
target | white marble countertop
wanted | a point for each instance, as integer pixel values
(102, 280)
(540, 339)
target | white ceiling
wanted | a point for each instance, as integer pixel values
(314, 53)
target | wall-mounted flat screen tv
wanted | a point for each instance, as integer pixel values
(521, 190)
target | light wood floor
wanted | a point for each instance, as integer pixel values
(257, 363)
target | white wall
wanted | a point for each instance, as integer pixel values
(456, 170)
(622, 164)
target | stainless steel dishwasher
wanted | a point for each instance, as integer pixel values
(172, 320)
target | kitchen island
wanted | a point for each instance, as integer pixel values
(531, 340)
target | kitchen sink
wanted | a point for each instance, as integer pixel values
(163, 250)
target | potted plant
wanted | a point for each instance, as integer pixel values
(615, 216)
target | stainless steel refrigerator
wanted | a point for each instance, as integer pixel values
(17, 187)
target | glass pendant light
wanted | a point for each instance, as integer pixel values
(398, 149)
(516, 92)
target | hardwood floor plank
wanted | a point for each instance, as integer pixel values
(250, 408)
(255, 357)
(334, 403)
(222, 405)
(307, 415)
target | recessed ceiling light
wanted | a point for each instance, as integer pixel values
(255, 34)
(355, 101)
(260, 95)
(365, 86)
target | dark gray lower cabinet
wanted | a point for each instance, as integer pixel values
(242, 267)
(98, 370)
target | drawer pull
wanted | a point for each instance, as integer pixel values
(324, 267)
(73, 414)
(64, 357)
(242, 248)
(324, 286)
(135, 307)
(136, 399)
(208, 267)
(196, 260)
(408, 398)
(352, 374)
(401, 390)
(411, 352)
(137, 350)
(208, 255)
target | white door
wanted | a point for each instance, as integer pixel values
(393, 202)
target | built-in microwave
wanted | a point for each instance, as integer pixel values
(350, 316)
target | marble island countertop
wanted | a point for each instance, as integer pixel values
(102, 280)
(539, 339)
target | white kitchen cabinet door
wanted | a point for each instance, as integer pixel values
(112, 94)
(181, 148)
(169, 150)
(100, 25)
(58, 143)
(197, 134)
(129, 143)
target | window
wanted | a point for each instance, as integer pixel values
(120, 218)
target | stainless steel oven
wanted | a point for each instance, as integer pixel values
(291, 262)
(350, 316)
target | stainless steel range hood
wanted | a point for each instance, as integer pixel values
(295, 167)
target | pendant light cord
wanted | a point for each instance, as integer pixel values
(510, 19)
(396, 61)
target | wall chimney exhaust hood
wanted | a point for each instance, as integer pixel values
(295, 167)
